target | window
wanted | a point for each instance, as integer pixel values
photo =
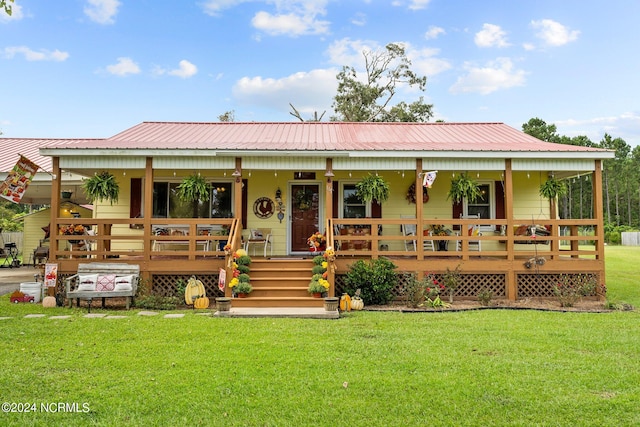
(352, 206)
(484, 205)
(166, 203)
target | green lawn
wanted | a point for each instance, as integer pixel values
(493, 367)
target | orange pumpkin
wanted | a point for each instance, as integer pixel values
(202, 302)
(345, 302)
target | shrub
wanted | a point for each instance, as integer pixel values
(376, 280)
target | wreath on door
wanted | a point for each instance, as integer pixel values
(411, 194)
(303, 199)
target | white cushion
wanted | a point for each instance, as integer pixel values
(87, 282)
(120, 287)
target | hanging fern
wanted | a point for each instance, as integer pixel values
(372, 187)
(102, 186)
(552, 188)
(463, 187)
(193, 188)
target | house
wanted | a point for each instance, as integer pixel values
(292, 179)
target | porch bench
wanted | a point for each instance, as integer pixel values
(103, 280)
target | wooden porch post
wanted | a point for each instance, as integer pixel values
(237, 213)
(598, 211)
(148, 203)
(419, 213)
(511, 285)
(328, 193)
(55, 212)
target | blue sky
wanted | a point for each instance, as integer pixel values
(92, 68)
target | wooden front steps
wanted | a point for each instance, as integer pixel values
(279, 283)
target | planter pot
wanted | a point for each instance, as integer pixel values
(442, 245)
(66, 195)
(223, 304)
(331, 303)
(317, 295)
(242, 295)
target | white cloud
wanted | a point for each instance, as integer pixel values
(491, 36)
(347, 52)
(293, 17)
(214, 7)
(412, 4)
(625, 126)
(32, 55)
(496, 75)
(289, 17)
(123, 67)
(102, 11)
(16, 14)
(307, 91)
(426, 62)
(186, 70)
(553, 33)
(359, 19)
(433, 32)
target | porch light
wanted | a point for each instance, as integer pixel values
(236, 174)
(329, 174)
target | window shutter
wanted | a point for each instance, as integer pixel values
(500, 212)
(245, 203)
(336, 200)
(456, 212)
(135, 199)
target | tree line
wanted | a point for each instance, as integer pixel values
(620, 176)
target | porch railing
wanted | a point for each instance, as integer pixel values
(566, 238)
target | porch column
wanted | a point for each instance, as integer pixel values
(328, 194)
(419, 213)
(511, 285)
(148, 203)
(598, 211)
(237, 189)
(55, 211)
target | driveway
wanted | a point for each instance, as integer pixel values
(10, 278)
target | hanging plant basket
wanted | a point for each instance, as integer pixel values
(552, 188)
(193, 188)
(102, 186)
(372, 187)
(411, 194)
(463, 187)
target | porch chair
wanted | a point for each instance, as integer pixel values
(259, 236)
(409, 230)
(473, 230)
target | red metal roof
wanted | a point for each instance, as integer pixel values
(328, 136)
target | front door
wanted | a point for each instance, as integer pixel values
(305, 214)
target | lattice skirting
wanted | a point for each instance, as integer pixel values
(165, 284)
(541, 285)
(470, 286)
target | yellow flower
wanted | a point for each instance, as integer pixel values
(325, 264)
(233, 282)
(324, 283)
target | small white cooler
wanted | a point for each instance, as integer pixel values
(32, 288)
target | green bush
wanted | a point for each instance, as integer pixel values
(375, 279)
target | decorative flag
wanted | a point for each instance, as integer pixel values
(429, 178)
(50, 275)
(17, 181)
(222, 278)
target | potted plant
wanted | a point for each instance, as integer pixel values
(372, 187)
(243, 289)
(66, 194)
(194, 189)
(463, 187)
(318, 286)
(552, 188)
(102, 186)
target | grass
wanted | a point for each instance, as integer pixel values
(368, 368)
